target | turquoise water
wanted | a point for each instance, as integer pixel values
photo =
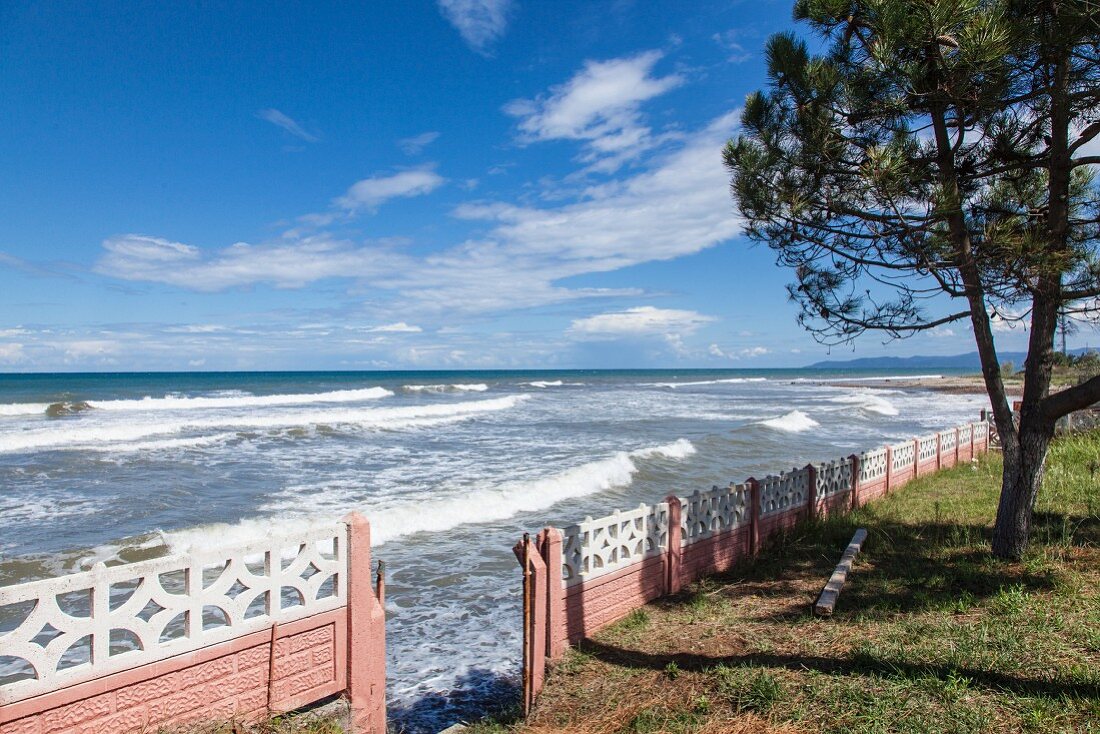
(451, 468)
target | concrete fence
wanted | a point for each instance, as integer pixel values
(581, 578)
(238, 632)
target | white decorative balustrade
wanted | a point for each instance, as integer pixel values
(593, 548)
(929, 445)
(981, 432)
(789, 489)
(965, 434)
(872, 465)
(834, 477)
(947, 441)
(79, 627)
(704, 514)
(904, 454)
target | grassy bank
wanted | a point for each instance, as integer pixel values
(931, 634)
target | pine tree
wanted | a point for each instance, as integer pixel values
(929, 166)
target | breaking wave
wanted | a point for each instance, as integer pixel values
(794, 422)
(81, 435)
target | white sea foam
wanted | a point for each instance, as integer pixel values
(460, 387)
(399, 518)
(241, 400)
(512, 498)
(794, 422)
(728, 381)
(546, 383)
(871, 402)
(77, 434)
(23, 408)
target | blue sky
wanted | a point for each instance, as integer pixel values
(451, 184)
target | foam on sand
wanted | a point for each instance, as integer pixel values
(794, 422)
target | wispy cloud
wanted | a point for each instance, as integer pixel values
(600, 106)
(279, 119)
(730, 42)
(678, 206)
(640, 321)
(480, 22)
(399, 327)
(369, 193)
(284, 265)
(417, 143)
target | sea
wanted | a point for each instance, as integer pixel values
(451, 468)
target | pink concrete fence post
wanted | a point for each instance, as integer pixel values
(550, 542)
(754, 516)
(889, 467)
(854, 459)
(916, 456)
(366, 634)
(811, 493)
(674, 551)
(534, 619)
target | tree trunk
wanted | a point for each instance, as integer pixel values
(1024, 460)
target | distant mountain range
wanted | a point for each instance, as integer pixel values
(968, 361)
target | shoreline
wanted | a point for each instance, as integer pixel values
(951, 384)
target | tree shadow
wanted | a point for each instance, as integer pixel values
(902, 568)
(861, 664)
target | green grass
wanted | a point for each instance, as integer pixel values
(931, 634)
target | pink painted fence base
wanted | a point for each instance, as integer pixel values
(246, 678)
(556, 616)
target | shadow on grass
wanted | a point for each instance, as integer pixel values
(858, 665)
(903, 567)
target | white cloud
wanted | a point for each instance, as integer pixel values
(599, 106)
(369, 193)
(83, 348)
(715, 351)
(729, 41)
(290, 265)
(399, 327)
(639, 321)
(417, 143)
(11, 353)
(480, 22)
(941, 332)
(678, 206)
(275, 117)
(751, 352)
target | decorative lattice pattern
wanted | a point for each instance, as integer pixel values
(596, 547)
(947, 441)
(834, 477)
(707, 513)
(85, 625)
(872, 465)
(981, 430)
(928, 447)
(903, 454)
(965, 432)
(779, 493)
